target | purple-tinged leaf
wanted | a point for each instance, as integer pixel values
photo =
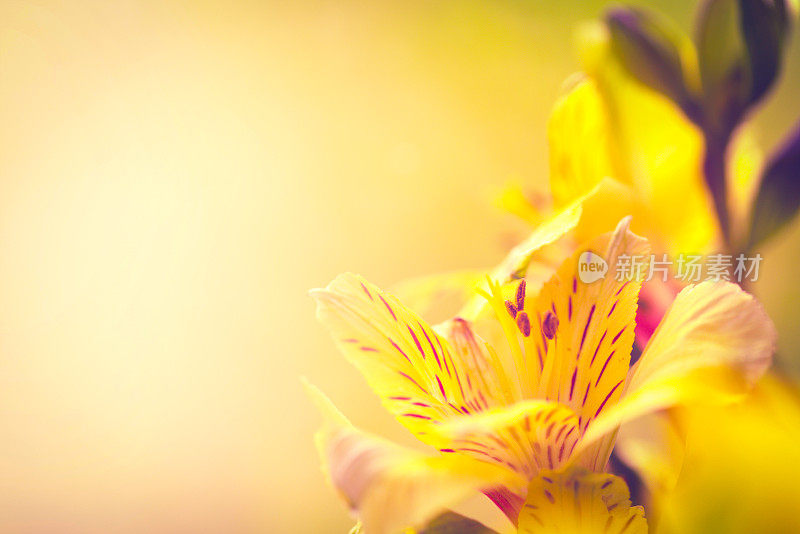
(778, 196)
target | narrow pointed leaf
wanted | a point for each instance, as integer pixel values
(779, 194)
(765, 25)
(652, 51)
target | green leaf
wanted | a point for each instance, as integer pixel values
(653, 51)
(740, 47)
(778, 196)
(765, 27)
(452, 523)
(723, 66)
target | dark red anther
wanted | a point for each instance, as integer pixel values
(524, 324)
(550, 325)
(521, 296)
(512, 310)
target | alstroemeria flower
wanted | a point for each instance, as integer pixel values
(619, 146)
(540, 405)
(628, 149)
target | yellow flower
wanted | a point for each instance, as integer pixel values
(627, 149)
(610, 131)
(618, 148)
(742, 467)
(528, 418)
(646, 157)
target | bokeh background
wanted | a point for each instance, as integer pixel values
(174, 176)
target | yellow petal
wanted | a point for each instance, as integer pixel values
(420, 378)
(653, 446)
(579, 141)
(571, 343)
(710, 324)
(585, 359)
(657, 150)
(392, 488)
(742, 463)
(610, 201)
(525, 437)
(713, 339)
(578, 501)
(483, 372)
(585, 364)
(698, 386)
(555, 227)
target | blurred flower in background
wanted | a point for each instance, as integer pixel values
(655, 124)
(740, 466)
(717, 81)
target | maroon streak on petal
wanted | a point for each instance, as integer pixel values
(388, 307)
(549, 430)
(622, 287)
(597, 348)
(435, 353)
(572, 384)
(510, 503)
(413, 335)
(585, 395)
(441, 387)
(366, 291)
(404, 375)
(603, 370)
(617, 336)
(399, 350)
(586, 328)
(600, 409)
(558, 435)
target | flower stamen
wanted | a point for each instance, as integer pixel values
(550, 325)
(524, 324)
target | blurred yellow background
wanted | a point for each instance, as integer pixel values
(175, 176)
